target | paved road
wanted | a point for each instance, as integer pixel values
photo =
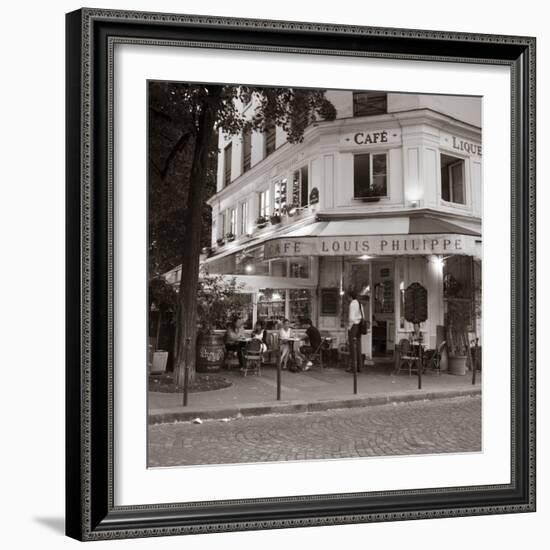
(439, 426)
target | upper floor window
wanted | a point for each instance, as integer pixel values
(269, 139)
(247, 150)
(227, 152)
(452, 179)
(221, 226)
(300, 196)
(232, 222)
(370, 103)
(243, 228)
(370, 176)
(264, 203)
(280, 196)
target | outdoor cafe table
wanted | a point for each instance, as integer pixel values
(291, 342)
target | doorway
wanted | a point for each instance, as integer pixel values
(383, 308)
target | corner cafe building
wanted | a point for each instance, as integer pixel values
(387, 194)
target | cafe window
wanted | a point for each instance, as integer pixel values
(271, 306)
(383, 297)
(247, 150)
(279, 268)
(300, 196)
(227, 152)
(243, 227)
(299, 305)
(264, 203)
(270, 133)
(280, 196)
(370, 175)
(247, 311)
(457, 277)
(369, 103)
(221, 225)
(250, 262)
(452, 179)
(330, 298)
(299, 268)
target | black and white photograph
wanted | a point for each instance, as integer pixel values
(314, 274)
(270, 275)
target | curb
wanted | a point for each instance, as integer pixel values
(165, 416)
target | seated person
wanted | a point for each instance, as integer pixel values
(311, 345)
(258, 334)
(285, 332)
(234, 338)
(260, 326)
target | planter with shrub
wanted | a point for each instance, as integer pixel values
(218, 301)
(458, 321)
(261, 222)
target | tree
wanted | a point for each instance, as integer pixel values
(202, 111)
(219, 299)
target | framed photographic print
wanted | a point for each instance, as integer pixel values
(300, 274)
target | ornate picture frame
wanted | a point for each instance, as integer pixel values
(90, 506)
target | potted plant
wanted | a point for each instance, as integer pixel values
(291, 209)
(219, 299)
(458, 321)
(230, 237)
(220, 241)
(275, 219)
(373, 193)
(261, 222)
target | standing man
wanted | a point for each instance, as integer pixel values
(354, 334)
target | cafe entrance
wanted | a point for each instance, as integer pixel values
(374, 282)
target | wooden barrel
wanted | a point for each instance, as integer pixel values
(210, 352)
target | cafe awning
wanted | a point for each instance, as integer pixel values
(389, 226)
(397, 235)
(253, 283)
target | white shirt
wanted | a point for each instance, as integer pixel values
(355, 310)
(285, 334)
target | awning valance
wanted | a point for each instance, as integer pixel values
(253, 283)
(375, 245)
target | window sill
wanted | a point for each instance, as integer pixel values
(457, 205)
(371, 199)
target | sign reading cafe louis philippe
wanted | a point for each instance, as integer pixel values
(386, 245)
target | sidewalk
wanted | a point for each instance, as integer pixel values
(313, 390)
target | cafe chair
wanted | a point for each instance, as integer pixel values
(316, 356)
(432, 357)
(252, 357)
(407, 357)
(271, 356)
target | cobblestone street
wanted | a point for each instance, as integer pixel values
(426, 427)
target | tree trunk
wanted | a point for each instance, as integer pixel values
(187, 296)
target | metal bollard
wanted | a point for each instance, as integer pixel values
(278, 380)
(355, 361)
(186, 371)
(420, 366)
